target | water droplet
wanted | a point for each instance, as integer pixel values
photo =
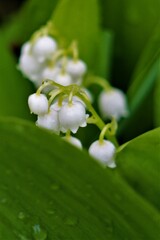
(71, 221)
(8, 171)
(38, 233)
(55, 187)
(21, 215)
(22, 237)
(3, 200)
(50, 211)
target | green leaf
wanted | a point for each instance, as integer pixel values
(145, 73)
(14, 88)
(157, 99)
(139, 164)
(133, 23)
(32, 15)
(51, 190)
(143, 82)
(79, 20)
(104, 54)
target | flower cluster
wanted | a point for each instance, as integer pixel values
(62, 101)
(64, 116)
(42, 58)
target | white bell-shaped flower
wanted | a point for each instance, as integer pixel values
(113, 103)
(72, 116)
(29, 66)
(76, 68)
(55, 105)
(44, 48)
(38, 104)
(49, 121)
(104, 152)
(74, 141)
(50, 73)
(63, 79)
(26, 48)
(88, 94)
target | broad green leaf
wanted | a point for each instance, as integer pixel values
(133, 23)
(51, 190)
(157, 99)
(143, 81)
(145, 72)
(104, 54)
(14, 88)
(79, 20)
(139, 164)
(32, 15)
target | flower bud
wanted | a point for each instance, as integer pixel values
(50, 73)
(74, 141)
(72, 116)
(44, 48)
(76, 68)
(30, 67)
(103, 152)
(113, 104)
(49, 121)
(38, 104)
(63, 79)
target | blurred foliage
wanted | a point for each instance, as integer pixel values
(100, 203)
(130, 26)
(82, 26)
(68, 195)
(133, 23)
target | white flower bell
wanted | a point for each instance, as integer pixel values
(44, 48)
(113, 103)
(49, 121)
(26, 48)
(74, 141)
(76, 68)
(104, 152)
(28, 64)
(50, 73)
(72, 116)
(38, 104)
(63, 79)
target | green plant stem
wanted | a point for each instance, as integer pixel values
(98, 81)
(98, 121)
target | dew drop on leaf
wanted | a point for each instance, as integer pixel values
(3, 200)
(38, 233)
(55, 187)
(71, 221)
(21, 215)
(50, 212)
(21, 236)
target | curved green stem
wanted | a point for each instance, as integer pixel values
(74, 49)
(54, 94)
(98, 81)
(44, 84)
(111, 128)
(98, 121)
